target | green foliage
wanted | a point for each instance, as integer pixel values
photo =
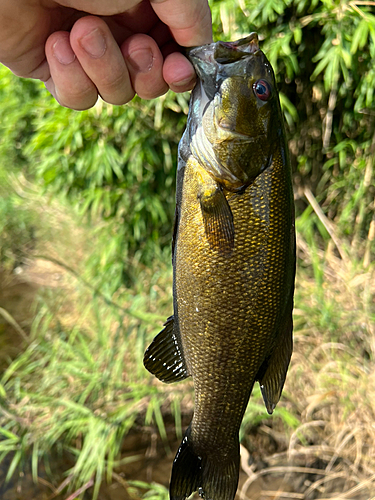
(117, 164)
(21, 223)
(19, 100)
(153, 491)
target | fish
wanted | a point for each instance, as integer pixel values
(233, 256)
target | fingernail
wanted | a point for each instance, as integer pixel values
(141, 60)
(63, 52)
(184, 83)
(94, 43)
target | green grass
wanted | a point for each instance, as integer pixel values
(78, 385)
(83, 382)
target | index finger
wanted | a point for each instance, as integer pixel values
(188, 20)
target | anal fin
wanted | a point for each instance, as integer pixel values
(164, 357)
(217, 218)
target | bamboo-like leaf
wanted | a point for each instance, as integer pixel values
(13, 465)
(34, 462)
(323, 63)
(360, 36)
(8, 434)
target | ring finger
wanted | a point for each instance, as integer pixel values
(68, 82)
(101, 59)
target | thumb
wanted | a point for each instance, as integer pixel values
(188, 20)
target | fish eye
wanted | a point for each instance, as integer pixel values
(262, 90)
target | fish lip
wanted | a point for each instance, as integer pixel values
(201, 54)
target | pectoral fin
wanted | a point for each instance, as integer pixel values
(218, 219)
(272, 373)
(164, 358)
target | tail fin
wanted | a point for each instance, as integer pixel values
(215, 477)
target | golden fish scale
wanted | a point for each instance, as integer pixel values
(230, 306)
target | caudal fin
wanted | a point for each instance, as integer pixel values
(215, 477)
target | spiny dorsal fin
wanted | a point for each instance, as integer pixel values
(218, 219)
(272, 373)
(164, 358)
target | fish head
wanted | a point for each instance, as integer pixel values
(236, 110)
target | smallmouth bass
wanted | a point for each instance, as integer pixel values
(233, 259)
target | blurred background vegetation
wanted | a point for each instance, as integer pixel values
(86, 214)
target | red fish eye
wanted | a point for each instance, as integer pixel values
(262, 90)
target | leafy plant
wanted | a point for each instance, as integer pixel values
(117, 164)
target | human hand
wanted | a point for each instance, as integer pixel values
(115, 48)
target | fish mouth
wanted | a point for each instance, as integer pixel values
(215, 62)
(224, 52)
(229, 52)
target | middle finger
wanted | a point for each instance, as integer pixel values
(101, 59)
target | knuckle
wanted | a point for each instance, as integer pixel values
(112, 81)
(116, 89)
(78, 100)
